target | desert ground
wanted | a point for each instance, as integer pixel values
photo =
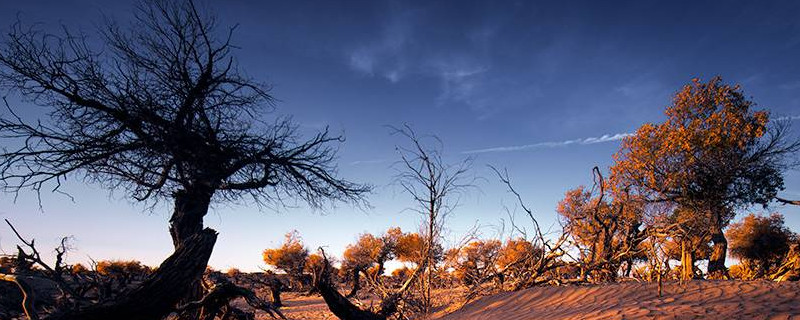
(633, 300)
(629, 300)
(304, 307)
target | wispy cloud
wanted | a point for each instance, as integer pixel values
(579, 141)
(790, 118)
(553, 144)
(386, 57)
(460, 60)
(367, 162)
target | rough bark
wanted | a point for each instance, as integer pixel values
(716, 262)
(157, 296)
(789, 270)
(187, 217)
(343, 309)
(275, 288)
(340, 306)
(356, 284)
(187, 220)
(687, 261)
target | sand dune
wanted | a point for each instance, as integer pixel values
(695, 300)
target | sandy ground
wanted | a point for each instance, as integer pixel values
(302, 307)
(695, 300)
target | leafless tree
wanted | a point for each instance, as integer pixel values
(537, 263)
(435, 186)
(161, 111)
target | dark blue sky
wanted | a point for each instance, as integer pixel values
(544, 89)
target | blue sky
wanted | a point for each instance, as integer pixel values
(543, 89)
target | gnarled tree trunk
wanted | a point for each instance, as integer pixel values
(157, 296)
(356, 284)
(187, 220)
(339, 305)
(342, 308)
(716, 262)
(275, 288)
(187, 217)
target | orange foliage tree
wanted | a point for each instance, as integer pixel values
(359, 257)
(712, 155)
(760, 243)
(477, 261)
(605, 229)
(513, 257)
(369, 255)
(290, 257)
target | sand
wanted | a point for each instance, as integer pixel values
(632, 300)
(303, 307)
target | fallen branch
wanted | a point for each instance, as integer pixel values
(157, 296)
(221, 293)
(28, 296)
(342, 308)
(785, 201)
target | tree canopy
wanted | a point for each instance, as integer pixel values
(760, 242)
(714, 154)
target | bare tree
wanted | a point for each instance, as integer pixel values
(546, 254)
(435, 187)
(161, 111)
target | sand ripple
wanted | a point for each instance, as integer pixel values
(695, 300)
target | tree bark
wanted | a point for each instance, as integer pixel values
(187, 217)
(687, 261)
(275, 288)
(716, 262)
(158, 295)
(356, 284)
(217, 302)
(187, 220)
(339, 305)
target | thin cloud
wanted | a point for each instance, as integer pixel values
(553, 144)
(790, 118)
(366, 162)
(579, 141)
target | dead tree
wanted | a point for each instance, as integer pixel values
(276, 286)
(538, 263)
(218, 297)
(342, 308)
(435, 187)
(152, 299)
(162, 112)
